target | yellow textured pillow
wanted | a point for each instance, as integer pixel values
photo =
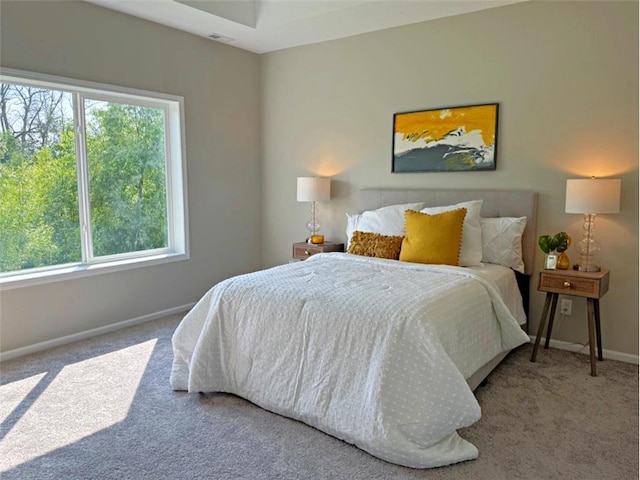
(433, 238)
(375, 245)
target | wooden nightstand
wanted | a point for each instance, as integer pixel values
(302, 250)
(590, 285)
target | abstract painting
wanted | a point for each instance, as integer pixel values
(452, 139)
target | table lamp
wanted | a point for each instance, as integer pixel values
(591, 196)
(314, 189)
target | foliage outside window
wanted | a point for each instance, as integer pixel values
(87, 176)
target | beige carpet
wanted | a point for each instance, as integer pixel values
(103, 409)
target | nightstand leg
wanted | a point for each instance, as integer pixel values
(596, 307)
(592, 346)
(552, 315)
(543, 320)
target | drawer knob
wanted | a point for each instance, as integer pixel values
(566, 284)
(306, 252)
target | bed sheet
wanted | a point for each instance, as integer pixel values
(374, 352)
(504, 280)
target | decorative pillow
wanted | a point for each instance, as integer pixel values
(375, 245)
(471, 251)
(433, 238)
(502, 241)
(385, 221)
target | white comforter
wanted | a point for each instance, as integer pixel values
(374, 352)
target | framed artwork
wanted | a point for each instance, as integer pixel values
(453, 139)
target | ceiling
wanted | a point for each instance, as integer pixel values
(262, 26)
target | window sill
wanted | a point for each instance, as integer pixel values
(69, 272)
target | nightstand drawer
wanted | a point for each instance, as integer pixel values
(302, 250)
(568, 284)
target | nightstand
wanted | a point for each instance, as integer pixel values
(589, 285)
(302, 250)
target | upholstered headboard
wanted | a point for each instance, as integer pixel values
(496, 203)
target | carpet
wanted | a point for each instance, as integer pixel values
(102, 408)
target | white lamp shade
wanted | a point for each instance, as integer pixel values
(593, 195)
(314, 189)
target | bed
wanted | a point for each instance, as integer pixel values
(379, 353)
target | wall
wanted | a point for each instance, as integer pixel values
(220, 85)
(566, 77)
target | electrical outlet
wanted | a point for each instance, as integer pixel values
(565, 306)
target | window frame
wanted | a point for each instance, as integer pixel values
(176, 180)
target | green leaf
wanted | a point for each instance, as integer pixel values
(544, 241)
(562, 241)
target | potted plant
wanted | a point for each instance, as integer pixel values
(555, 249)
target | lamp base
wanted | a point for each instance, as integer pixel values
(588, 268)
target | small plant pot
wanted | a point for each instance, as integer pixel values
(551, 261)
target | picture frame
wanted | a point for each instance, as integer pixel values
(450, 139)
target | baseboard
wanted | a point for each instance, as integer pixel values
(94, 332)
(579, 348)
(57, 342)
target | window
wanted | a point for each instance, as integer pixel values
(91, 178)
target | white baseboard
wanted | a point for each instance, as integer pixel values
(94, 332)
(579, 348)
(57, 342)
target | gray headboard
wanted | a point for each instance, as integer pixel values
(496, 203)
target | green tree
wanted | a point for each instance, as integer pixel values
(126, 158)
(39, 209)
(37, 162)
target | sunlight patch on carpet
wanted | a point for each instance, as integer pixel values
(68, 404)
(10, 398)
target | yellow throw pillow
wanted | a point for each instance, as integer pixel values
(433, 238)
(375, 245)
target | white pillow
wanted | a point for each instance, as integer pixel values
(502, 241)
(471, 248)
(385, 221)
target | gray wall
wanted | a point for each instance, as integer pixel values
(566, 77)
(220, 85)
